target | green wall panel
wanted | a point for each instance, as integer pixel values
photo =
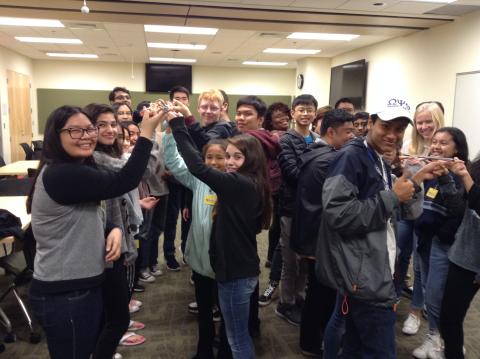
(49, 99)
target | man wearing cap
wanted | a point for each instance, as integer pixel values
(356, 241)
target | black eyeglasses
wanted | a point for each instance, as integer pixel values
(77, 133)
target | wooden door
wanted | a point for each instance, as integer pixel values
(19, 113)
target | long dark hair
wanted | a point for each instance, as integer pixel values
(53, 151)
(95, 110)
(255, 167)
(460, 142)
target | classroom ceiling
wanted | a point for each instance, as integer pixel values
(114, 30)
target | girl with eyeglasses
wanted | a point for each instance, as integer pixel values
(73, 243)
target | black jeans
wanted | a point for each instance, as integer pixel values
(277, 263)
(316, 312)
(459, 292)
(173, 209)
(205, 294)
(274, 230)
(116, 296)
(149, 253)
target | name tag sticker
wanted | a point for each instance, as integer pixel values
(210, 199)
(432, 192)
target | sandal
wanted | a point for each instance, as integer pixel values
(133, 308)
(134, 325)
(130, 339)
(135, 302)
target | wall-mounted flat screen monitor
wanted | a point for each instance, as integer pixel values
(349, 80)
(162, 77)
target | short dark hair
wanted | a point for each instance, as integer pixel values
(178, 89)
(214, 141)
(361, 116)
(343, 99)
(143, 104)
(460, 142)
(334, 119)
(254, 101)
(276, 106)
(94, 110)
(111, 95)
(304, 100)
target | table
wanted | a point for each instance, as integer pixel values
(19, 168)
(16, 205)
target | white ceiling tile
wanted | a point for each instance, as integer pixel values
(408, 7)
(268, 2)
(366, 5)
(316, 4)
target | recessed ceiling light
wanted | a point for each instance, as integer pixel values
(181, 29)
(48, 40)
(165, 45)
(170, 59)
(20, 21)
(291, 51)
(264, 63)
(63, 54)
(321, 36)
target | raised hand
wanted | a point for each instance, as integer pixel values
(458, 167)
(430, 171)
(180, 107)
(403, 187)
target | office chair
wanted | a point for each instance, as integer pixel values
(19, 277)
(28, 151)
(16, 186)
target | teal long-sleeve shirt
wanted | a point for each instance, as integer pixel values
(204, 199)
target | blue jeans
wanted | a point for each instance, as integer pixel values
(334, 331)
(437, 271)
(234, 300)
(71, 321)
(370, 331)
(418, 297)
(405, 245)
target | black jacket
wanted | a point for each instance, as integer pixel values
(293, 145)
(313, 166)
(201, 135)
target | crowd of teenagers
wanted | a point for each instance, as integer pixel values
(347, 198)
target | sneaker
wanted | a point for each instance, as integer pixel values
(193, 308)
(137, 287)
(138, 303)
(145, 276)
(117, 356)
(430, 349)
(290, 312)
(133, 308)
(172, 264)
(267, 296)
(155, 271)
(411, 325)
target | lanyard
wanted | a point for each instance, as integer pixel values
(372, 154)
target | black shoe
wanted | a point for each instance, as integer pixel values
(268, 264)
(290, 312)
(138, 288)
(268, 294)
(172, 264)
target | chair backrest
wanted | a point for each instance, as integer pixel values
(16, 187)
(2, 162)
(28, 151)
(37, 145)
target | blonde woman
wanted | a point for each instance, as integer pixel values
(427, 119)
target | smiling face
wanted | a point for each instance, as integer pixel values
(304, 114)
(215, 157)
(425, 125)
(443, 145)
(280, 120)
(235, 158)
(247, 118)
(134, 132)
(384, 136)
(209, 111)
(83, 147)
(107, 128)
(124, 114)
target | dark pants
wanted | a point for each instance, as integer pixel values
(405, 235)
(460, 289)
(116, 296)
(205, 294)
(173, 209)
(274, 231)
(277, 263)
(71, 321)
(316, 312)
(370, 331)
(149, 254)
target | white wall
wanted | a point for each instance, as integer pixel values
(10, 60)
(421, 66)
(316, 73)
(92, 75)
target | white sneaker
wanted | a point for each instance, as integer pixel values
(411, 324)
(155, 271)
(430, 349)
(146, 277)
